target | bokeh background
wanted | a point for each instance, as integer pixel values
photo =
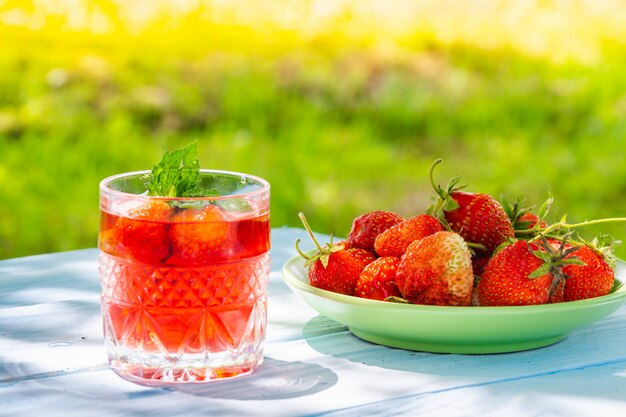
(341, 104)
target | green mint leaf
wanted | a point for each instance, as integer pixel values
(177, 174)
(239, 205)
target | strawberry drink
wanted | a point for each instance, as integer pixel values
(184, 277)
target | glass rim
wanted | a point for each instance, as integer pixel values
(264, 186)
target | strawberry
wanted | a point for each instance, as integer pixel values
(529, 220)
(395, 240)
(377, 280)
(478, 218)
(524, 273)
(143, 235)
(592, 274)
(368, 226)
(333, 267)
(593, 279)
(436, 270)
(339, 273)
(200, 235)
(364, 256)
(505, 280)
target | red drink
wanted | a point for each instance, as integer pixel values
(184, 288)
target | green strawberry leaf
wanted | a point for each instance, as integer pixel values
(177, 174)
(324, 258)
(574, 261)
(453, 184)
(400, 300)
(543, 255)
(545, 207)
(514, 211)
(616, 286)
(541, 271)
(450, 204)
(604, 245)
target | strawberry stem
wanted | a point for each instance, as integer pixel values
(431, 177)
(479, 246)
(310, 232)
(566, 226)
(444, 201)
(323, 254)
(598, 221)
(304, 255)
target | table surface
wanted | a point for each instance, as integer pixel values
(53, 361)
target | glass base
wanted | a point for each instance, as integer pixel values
(156, 370)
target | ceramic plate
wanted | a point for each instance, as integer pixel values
(454, 329)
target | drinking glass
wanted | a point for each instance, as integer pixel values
(184, 280)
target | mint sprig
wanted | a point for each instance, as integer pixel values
(177, 174)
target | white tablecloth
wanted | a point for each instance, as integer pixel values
(53, 362)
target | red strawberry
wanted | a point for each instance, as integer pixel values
(377, 280)
(368, 226)
(528, 220)
(522, 273)
(395, 240)
(437, 270)
(200, 235)
(591, 275)
(333, 267)
(143, 235)
(339, 274)
(593, 279)
(478, 218)
(364, 256)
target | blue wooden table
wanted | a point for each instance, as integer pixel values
(53, 362)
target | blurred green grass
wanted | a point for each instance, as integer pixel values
(337, 125)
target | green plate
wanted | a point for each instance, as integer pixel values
(465, 330)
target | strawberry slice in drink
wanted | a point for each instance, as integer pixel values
(200, 236)
(143, 234)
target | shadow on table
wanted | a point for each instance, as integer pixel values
(583, 348)
(273, 380)
(584, 365)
